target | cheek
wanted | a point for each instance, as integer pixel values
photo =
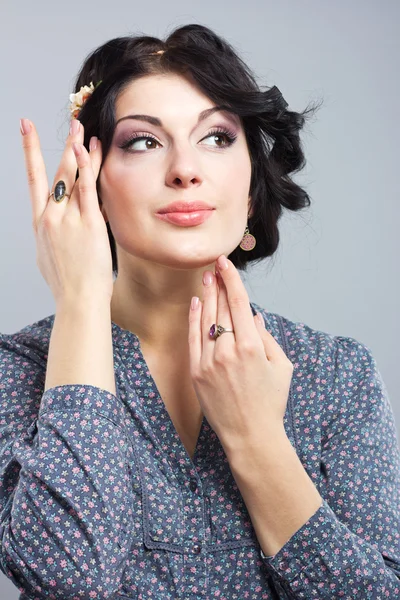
(122, 184)
(238, 173)
(244, 169)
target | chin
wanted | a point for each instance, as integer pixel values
(185, 262)
(181, 253)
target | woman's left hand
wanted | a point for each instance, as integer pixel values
(242, 379)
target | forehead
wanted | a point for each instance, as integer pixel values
(165, 96)
(159, 88)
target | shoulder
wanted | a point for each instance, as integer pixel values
(316, 350)
(336, 379)
(23, 361)
(29, 344)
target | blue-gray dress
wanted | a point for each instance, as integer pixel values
(100, 500)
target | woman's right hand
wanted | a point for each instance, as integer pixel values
(73, 249)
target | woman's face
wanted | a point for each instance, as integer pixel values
(181, 159)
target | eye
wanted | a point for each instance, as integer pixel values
(139, 137)
(220, 133)
(147, 140)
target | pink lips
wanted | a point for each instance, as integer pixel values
(186, 219)
(185, 213)
(185, 206)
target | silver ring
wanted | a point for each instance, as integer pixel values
(59, 192)
(217, 330)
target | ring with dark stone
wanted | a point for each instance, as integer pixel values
(59, 191)
(217, 330)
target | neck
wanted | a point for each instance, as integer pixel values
(154, 304)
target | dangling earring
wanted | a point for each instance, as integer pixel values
(248, 241)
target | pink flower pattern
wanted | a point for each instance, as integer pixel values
(100, 500)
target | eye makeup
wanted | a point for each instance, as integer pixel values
(205, 114)
(222, 132)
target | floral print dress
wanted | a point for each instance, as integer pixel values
(100, 500)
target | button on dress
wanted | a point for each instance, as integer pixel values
(99, 498)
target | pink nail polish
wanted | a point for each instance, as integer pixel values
(222, 263)
(25, 126)
(74, 127)
(93, 143)
(207, 278)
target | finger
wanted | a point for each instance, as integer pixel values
(67, 167)
(86, 182)
(35, 170)
(195, 335)
(273, 350)
(95, 153)
(209, 315)
(238, 300)
(260, 326)
(96, 157)
(223, 311)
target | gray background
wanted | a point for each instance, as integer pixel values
(337, 265)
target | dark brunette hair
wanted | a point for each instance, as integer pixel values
(211, 63)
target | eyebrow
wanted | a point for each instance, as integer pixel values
(229, 113)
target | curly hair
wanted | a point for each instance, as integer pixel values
(211, 63)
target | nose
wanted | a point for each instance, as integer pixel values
(184, 169)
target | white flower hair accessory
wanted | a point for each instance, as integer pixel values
(78, 100)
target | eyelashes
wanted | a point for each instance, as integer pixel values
(229, 135)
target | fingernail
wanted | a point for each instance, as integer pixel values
(93, 143)
(25, 126)
(74, 127)
(260, 319)
(222, 263)
(207, 278)
(194, 303)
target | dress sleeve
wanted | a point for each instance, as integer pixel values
(65, 502)
(350, 547)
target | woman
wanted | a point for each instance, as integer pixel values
(144, 453)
